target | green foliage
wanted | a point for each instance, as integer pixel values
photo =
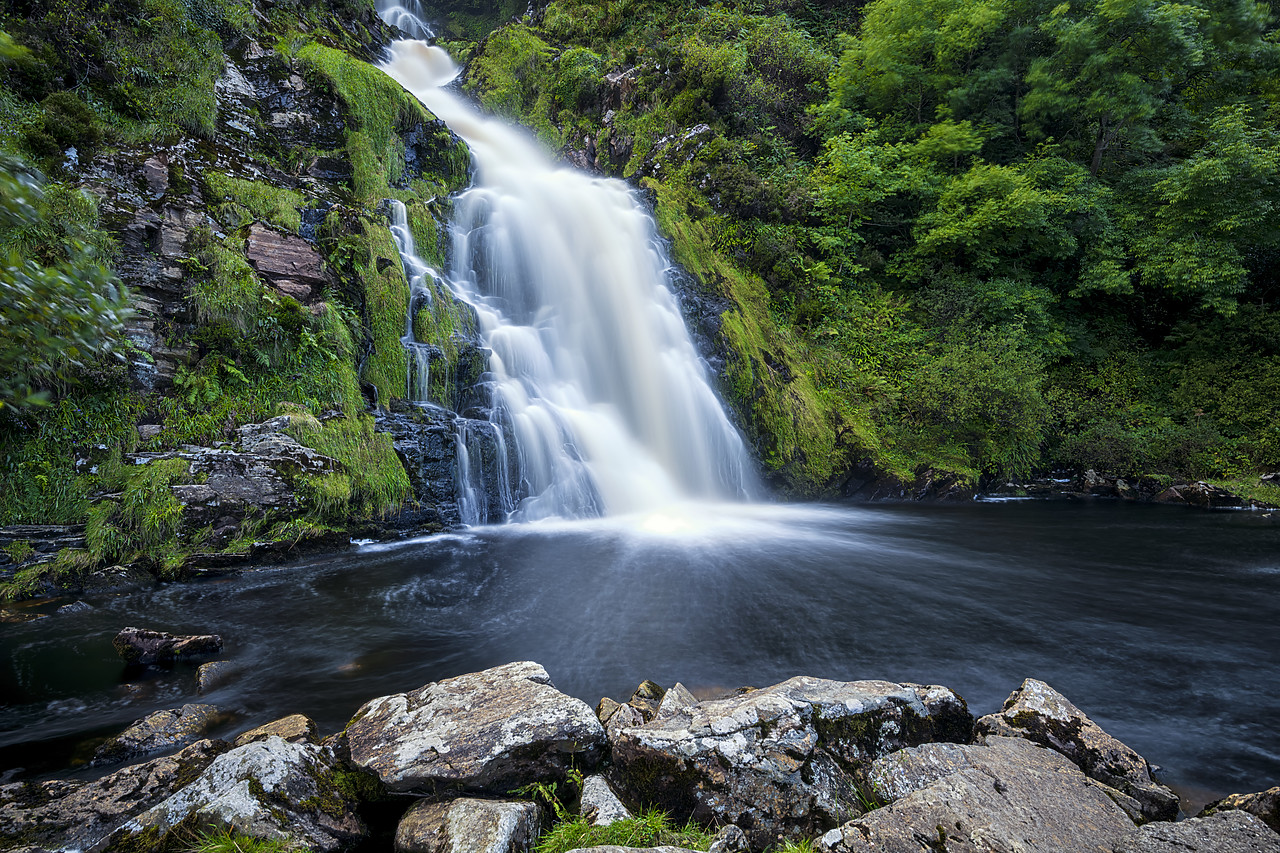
(65, 123)
(142, 524)
(228, 841)
(60, 308)
(246, 201)
(372, 481)
(651, 828)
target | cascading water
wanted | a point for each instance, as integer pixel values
(595, 378)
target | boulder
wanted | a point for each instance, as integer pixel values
(73, 815)
(784, 761)
(1264, 805)
(647, 698)
(730, 839)
(1225, 832)
(1006, 794)
(468, 826)
(138, 646)
(618, 717)
(1039, 713)
(213, 674)
(157, 732)
(295, 728)
(488, 731)
(271, 789)
(599, 804)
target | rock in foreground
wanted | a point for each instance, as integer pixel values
(488, 731)
(781, 762)
(1005, 795)
(269, 789)
(1264, 805)
(1226, 832)
(158, 731)
(468, 826)
(67, 815)
(1039, 713)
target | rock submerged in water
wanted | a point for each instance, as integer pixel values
(781, 762)
(139, 646)
(1039, 713)
(495, 730)
(158, 731)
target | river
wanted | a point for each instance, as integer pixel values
(1161, 624)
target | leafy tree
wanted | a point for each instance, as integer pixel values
(60, 307)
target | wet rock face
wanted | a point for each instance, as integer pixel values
(1007, 794)
(1039, 713)
(488, 731)
(1264, 805)
(71, 815)
(468, 826)
(269, 789)
(423, 438)
(139, 646)
(157, 732)
(1226, 832)
(784, 761)
(290, 264)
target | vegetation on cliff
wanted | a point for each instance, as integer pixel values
(989, 237)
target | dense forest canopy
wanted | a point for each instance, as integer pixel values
(999, 236)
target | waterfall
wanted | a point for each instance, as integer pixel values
(597, 388)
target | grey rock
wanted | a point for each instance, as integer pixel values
(1263, 804)
(646, 699)
(730, 839)
(1004, 795)
(74, 815)
(624, 717)
(295, 728)
(214, 674)
(157, 732)
(674, 701)
(599, 804)
(269, 789)
(783, 761)
(468, 826)
(1039, 713)
(494, 730)
(75, 607)
(1225, 832)
(139, 646)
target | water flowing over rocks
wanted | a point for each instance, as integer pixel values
(78, 815)
(157, 732)
(468, 826)
(783, 761)
(1039, 713)
(493, 730)
(268, 789)
(139, 646)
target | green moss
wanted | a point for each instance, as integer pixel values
(376, 482)
(142, 524)
(386, 293)
(246, 201)
(793, 428)
(19, 550)
(227, 841)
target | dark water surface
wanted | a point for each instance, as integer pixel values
(1163, 625)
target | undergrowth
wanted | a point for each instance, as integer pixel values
(650, 828)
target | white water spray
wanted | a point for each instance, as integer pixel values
(595, 376)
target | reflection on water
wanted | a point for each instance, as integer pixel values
(1162, 625)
